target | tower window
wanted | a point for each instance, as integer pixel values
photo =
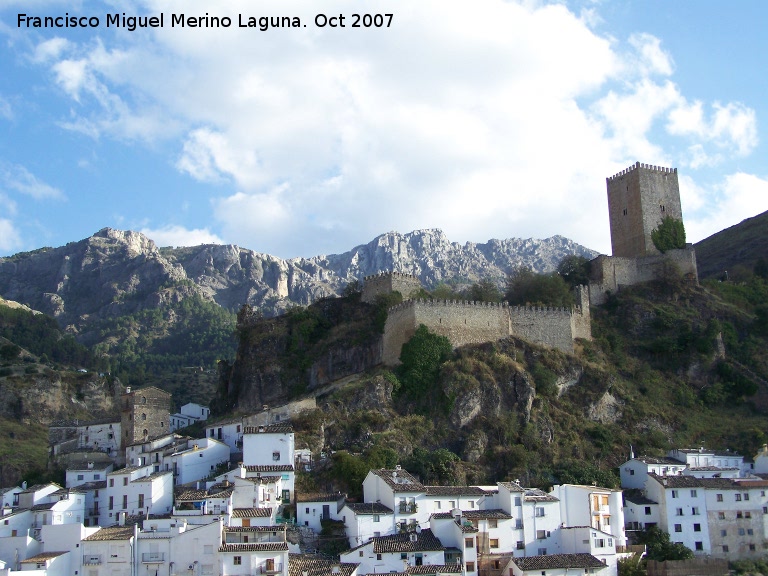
(662, 207)
(625, 211)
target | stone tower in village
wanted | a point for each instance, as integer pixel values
(144, 414)
(638, 199)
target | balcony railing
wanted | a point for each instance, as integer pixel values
(91, 560)
(152, 557)
(408, 507)
(274, 569)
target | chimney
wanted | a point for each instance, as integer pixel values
(90, 465)
(335, 569)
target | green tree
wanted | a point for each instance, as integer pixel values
(484, 291)
(660, 548)
(421, 357)
(574, 269)
(669, 235)
(526, 288)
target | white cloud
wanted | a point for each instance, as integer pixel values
(18, 178)
(737, 197)
(175, 235)
(9, 236)
(478, 121)
(51, 49)
(5, 109)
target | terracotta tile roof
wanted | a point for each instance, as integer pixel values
(43, 556)
(473, 515)
(435, 569)
(425, 542)
(278, 528)
(512, 486)
(270, 468)
(399, 480)
(126, 470)
(536, 495)
(262, 479)
(455, 491)
(270, 429)
(314, 565)
(111, 533)
(368, 508)
(189, 495)
(638, 499)
(252, 513)
(98, 485)
(255, 547)
(315, 497)
(693, 482)
(152, 477)
(91, 466)
(552, 561)
(37, 487)
(46, 506)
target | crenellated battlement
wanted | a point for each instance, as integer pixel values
(387, 282)
(389, 274)
(638, 165)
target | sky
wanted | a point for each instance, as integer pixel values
(486, 119)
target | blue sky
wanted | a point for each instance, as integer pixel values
(487, 119)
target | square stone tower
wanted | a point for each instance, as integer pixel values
(145, 413)
(638, 199)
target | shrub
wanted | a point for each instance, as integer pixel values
(669, 235)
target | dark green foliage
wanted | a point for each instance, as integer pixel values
(735, 383)
(526, 288)
(632, 566)
(574, 270)
(761, 268)
(353, 289)
(580, 472)
(436, 467)
(749, 567)
(421, 358)
(660, 548)
(9, 352)
(484, 291)
(545, 380)
(670, 234)
(40, 334)
(382, 304)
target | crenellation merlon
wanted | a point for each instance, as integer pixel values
(638, 165)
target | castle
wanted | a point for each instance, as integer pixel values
(638, 199)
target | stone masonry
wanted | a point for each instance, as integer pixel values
(387, 282)
(144, 414)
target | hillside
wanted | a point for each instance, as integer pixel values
(737, 247)
(671, 365)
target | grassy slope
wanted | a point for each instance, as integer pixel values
(737, 246)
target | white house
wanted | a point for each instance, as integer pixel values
(110, 551)
(311, 508)
(100, 436)
(640, 512)
(204, 506)
(88, 472)
(557, 565)
(634, 471)
(363, 521)
(588, 540)
(65, 506)
(36, 494)
(268, 445)
(196, 461)
(228, 431)
(66, 537)
(48, 564)
(170, 546)
(314, 565)
(600, 508)
(95, 497)
(137, 491)
(246, 517)
(16, 540)
(401, 492)
(188, 415)
(394, 552)
(9, 497)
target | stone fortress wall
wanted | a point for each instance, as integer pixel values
(387, 282)
(467, 322)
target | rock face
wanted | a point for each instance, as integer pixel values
(116, 272)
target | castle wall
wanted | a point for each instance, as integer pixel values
(581, 316)
(610, 273)
(398, 329)
(548, 326)
(638, 199)
(144, 410)
(389, 282)
(463, 322)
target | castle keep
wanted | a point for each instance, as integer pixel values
(639, 198)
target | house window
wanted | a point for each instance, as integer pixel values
(306, 511)
(378, 556)
(647, 510)
(697, 527)
(741, 531)
(519, 523)
(631, 472)
(141, 500)
(751, 547)
(725, 547)
(238, 428)
(452, 504)
(747, 514)
(376, 518)
(437, 504)
(599, 542)
(695, 511)
(518, 501)
(541, 534)
(403, 555)
(237, 560)
(738, 497)
(693, 493)
(750, 532)
(143, 416)
(470, 566)
(542, 551)
(111, 482)
(678, 527)
(494, 542)
(699, 545)
(125, 501)
(469, 542)
(739, 514)
(721, 515)
(678, 512)
(723, 533)
(607, 521)
(111, 504)
(97, 476)
(539, 512)
(746, 496)
(125, 480)
(80, 477)
(674, 493)
(276, 456)
(493, 523)
(520, 545)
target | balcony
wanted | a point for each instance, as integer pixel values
(271, 569)
(407, 508)
(152, 557)
(92, 560)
